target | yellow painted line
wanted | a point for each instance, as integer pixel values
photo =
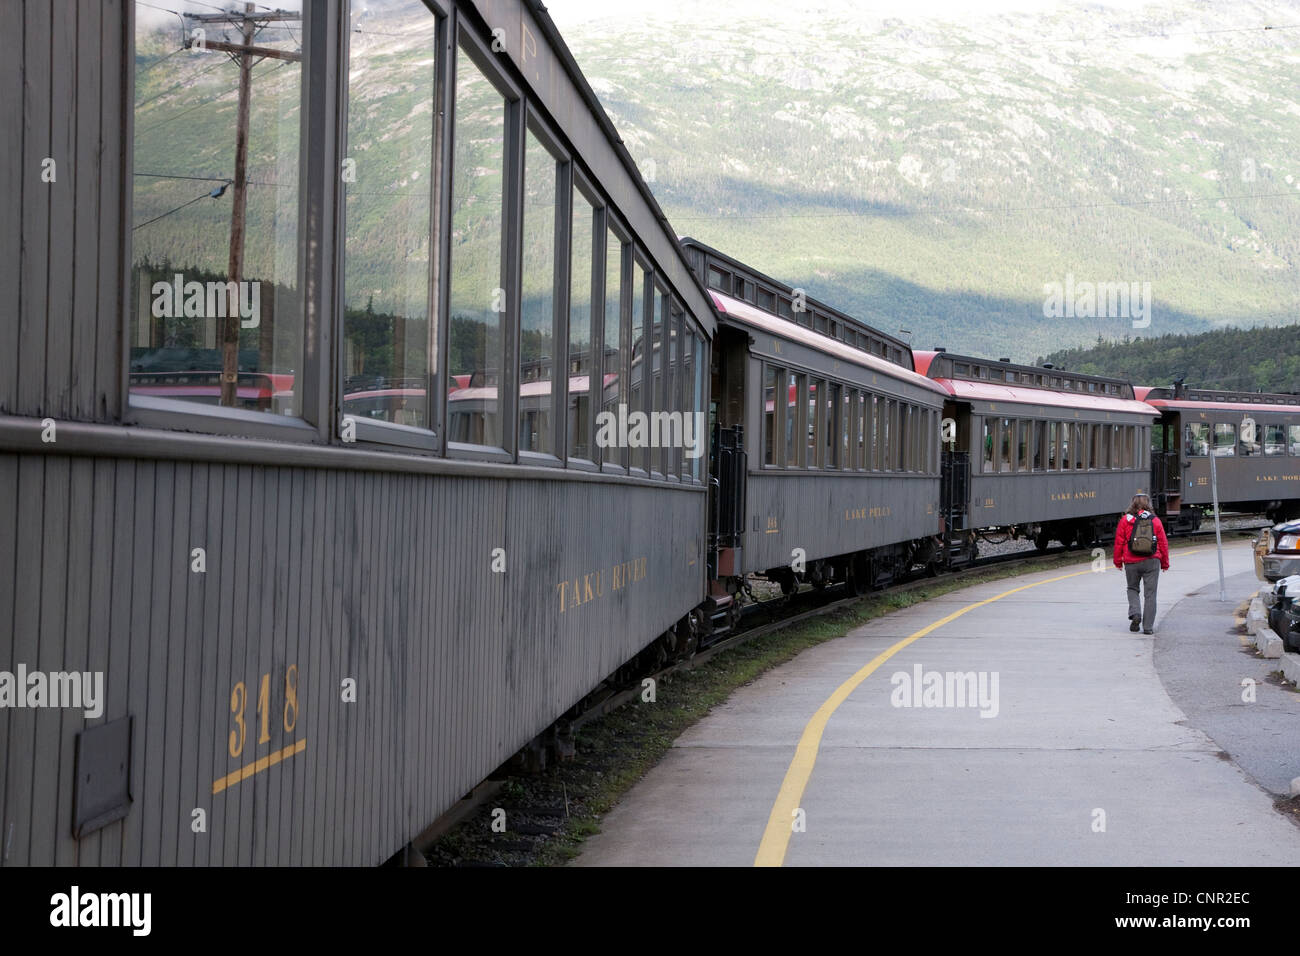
(776, 837)
(257, 766)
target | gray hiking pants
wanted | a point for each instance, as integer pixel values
(1147, 573)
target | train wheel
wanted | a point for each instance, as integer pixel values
(1041, 541)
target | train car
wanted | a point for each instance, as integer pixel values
(1039, 452)
(825, 440)
(318, 611)
(1254, 438)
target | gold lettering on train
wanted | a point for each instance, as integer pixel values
(591, 586)
(241, 724)
(861, 514)
(527, 43)
(1072, 495)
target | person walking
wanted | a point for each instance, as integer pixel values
(1142, 552)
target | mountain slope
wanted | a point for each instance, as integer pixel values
(935, 173)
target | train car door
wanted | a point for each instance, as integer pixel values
(1166, 464)
(954, 480)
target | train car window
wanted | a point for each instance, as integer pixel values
(1293, 439)
(677, 354)
(1039, 437)
(919, 433)
(987, 445)
(831, 404)
(614, 351)
(770, 413)
(1022, 458)
(697, 404)
(719, 280)
(1196, 441)
(859, 439)
(739, 290)
(1082, 446)
(794, 418)
(214, 261)
(653, 364)
(660, 386)
(1006, 434)
(478, 285)
(766, 300)
(1132, 450)
(1225, 439)
(1274, 440)
(636, 398)
(847, 409)
(903, 457)
(1249, 437)
(1049, 452)
(902, 435)
(877, 431)
(1096, 457)
(1064, 451)
(783, 308)
(582, 279)
(816, 389)
(386, 328)
(543, 173)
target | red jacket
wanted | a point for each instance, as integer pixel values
(1124, 530)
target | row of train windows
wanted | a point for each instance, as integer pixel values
(510, 325)
(1250, 439)
(1034, 379)
(1027, 445)
(810, 422)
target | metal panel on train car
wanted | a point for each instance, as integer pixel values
(362, 649)
(828, 515)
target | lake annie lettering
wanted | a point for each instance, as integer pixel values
(1068, 496)
(591, 586)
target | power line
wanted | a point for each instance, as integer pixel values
(211, 194)
(206, 179)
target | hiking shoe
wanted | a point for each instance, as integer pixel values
(1147, 630)
(1133, 624)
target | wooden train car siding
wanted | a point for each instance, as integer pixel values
(456, 666)
(62, 266)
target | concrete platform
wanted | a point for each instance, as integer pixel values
(1087, 761)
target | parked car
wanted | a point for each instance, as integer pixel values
(1283, 556)
(1284, 612)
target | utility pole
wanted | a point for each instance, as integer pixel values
(245, 55)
